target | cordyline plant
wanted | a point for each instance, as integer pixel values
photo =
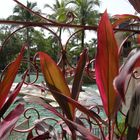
(110, 78)
(6, 99)
(135, 4)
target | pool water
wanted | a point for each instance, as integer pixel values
(32, 78)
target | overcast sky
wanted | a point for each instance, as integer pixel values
(113, 6)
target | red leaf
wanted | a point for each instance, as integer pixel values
(72, 125)
(138, 39)
(127, 68)
(56, 82)
(12, 97)
(135, 4)
(9, 122)
(79, 75)
(30, 135)
(43, 136)
(75, 104)
(123, 18)
(9, 77)
(85, 132)
(106, 65)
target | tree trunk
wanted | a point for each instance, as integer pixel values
(83, 34)
(82, 39)
(28, 54)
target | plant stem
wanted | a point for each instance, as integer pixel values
(73, 134)
(109, 129)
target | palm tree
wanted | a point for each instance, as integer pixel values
(21, 14)
(85, 13)
(59, 12)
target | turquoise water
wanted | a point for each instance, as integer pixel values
(32, 78)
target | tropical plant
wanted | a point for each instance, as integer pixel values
(21, 14)
(135, 4)
(6, 81)
(11, 49)
(106, 74)
(112, 81)
(86, 14)
(59, 11)
(12, 45)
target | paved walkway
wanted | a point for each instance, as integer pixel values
(87, 97)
